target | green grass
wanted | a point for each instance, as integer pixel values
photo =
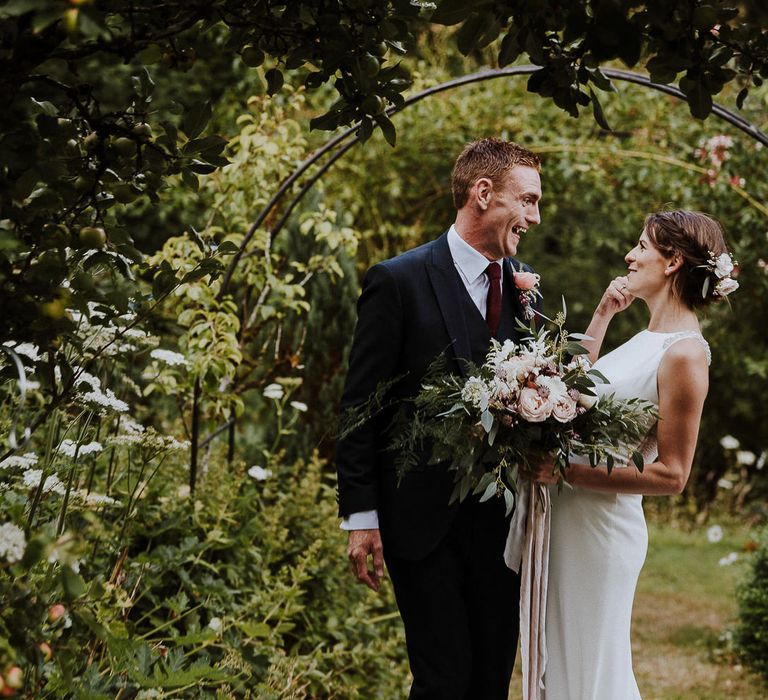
(684, 606)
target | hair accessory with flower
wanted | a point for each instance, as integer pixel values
(721, 266)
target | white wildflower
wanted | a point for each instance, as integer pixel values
(299, 406)
(106, 399)
(130, 426)
(169, 357)
(476, 393)
(69, 448)
(216, 624)
(171, 443)
(746, 458)
(97, 499)
(27, 349)
(273, 391)
(125, 440)
(725, 483)
(12, 542)
(259, 473)
(32, 477)
(729, 443)
(24, 461)
(714, 533)
(729, 559)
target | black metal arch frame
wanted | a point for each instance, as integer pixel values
(342, 143)
(628, 76)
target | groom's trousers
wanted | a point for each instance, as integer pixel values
(460, 609)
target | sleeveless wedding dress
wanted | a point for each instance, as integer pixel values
(598, 543)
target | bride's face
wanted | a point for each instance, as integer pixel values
(646, 268)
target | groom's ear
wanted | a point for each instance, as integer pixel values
(483, 191)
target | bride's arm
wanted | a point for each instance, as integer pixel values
(614, 299)
(683, 382)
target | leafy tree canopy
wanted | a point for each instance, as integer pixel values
(86, 136)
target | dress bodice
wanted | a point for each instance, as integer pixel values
(632, 370)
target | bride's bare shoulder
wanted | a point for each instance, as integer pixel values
(686, 361)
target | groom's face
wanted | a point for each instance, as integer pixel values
(512, 209)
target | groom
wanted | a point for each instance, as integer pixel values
(457, 599)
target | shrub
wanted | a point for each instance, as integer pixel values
(751, 636)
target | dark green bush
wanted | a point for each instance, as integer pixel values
(751, 636)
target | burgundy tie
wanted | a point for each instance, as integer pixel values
(493, 304)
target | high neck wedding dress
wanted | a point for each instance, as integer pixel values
(598, 543)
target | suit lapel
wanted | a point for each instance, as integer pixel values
(443, 277)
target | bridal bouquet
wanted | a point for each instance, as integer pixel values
(526, 399)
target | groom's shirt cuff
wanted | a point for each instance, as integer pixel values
(365, 520)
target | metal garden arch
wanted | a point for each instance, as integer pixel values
(345, 140)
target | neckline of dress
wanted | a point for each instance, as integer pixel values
(691, 332)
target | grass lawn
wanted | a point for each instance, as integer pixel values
(684, 603)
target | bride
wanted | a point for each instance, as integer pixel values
(598, 532)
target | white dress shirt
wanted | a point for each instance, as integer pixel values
(471, 266)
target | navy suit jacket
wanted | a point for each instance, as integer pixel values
(409, 312)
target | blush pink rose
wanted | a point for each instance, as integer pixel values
(526, 280)
(564, 410)
(533, 407)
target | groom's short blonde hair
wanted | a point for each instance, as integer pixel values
(492, 158)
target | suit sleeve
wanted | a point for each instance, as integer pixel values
(373, 359)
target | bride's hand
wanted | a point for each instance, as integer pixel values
(616, 297)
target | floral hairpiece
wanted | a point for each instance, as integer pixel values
(721, 266)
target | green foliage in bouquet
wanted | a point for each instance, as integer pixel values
(526, 400)
(751, 635)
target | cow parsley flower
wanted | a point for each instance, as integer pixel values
(53, 484)
(273, 391)
(69, 448)
(27, 349)
(24, 461)
(170, 358)
(299, 406)
(12, 542)
(106, 399)
(259, 473)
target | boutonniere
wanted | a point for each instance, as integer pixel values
(527, 285)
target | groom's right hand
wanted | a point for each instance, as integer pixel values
(361, 545)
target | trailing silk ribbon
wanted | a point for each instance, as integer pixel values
(527, 553)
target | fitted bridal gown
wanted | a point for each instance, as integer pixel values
(597, 548)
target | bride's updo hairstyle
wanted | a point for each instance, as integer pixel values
(697, 238)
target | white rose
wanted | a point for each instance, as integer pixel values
(533, 407)
(725, 286)
(723, 265)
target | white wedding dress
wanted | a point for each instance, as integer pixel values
(597, 548)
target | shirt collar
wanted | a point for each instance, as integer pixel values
(470, 262)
